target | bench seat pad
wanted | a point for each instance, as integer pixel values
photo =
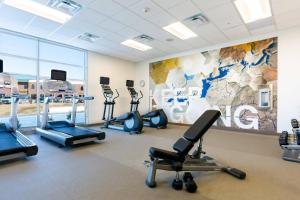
(164, 154)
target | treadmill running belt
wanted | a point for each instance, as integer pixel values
(8, 141)
(75, 131)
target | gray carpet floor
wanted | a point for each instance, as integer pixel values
(114, 169)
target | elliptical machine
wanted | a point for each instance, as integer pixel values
(290, 143)
(129, 122)
(153, 119)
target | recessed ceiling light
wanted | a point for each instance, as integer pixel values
(136, 45)
(180, 31)
(39, 10)
(253, 10)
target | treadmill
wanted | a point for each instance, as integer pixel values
(13, 144)
(64, 133)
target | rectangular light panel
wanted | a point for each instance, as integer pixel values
(136, 45)
(180, 30)
(39, 10)
(253, 10)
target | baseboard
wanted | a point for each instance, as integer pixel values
(235, 129)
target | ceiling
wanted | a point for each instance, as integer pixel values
(117, 20)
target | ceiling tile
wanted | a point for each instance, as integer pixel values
(106, 7)
(14, 19)
(222, 12)
(41, 27)
(211, 33)
(237, 32)
(156, 44)
(113, 37)
(167, 3)
(155, 14)
(280, 6)
(228, 22)
(198, 42)
(129, 33)
(126, 2)
(184, 10)
(263, 30)
(87, 16)
(209, 4)
(83, 2)
(138, 24)
(112, 25)
(65, 33)
(287, 20)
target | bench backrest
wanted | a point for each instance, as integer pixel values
(196, 131)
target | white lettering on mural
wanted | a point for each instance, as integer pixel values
(177, 113)
(253, 120)
(177, 101)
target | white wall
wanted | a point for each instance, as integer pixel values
(288, 73)
(119, 71)
(289, 78)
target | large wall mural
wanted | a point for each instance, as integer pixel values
(240, 81)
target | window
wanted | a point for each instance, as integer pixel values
(72, 61)
(20, 55)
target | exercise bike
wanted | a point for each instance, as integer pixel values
(129, 122)
(153, 119)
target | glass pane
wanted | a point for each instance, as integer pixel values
(24, 71)
(61, 54)
(16, 45)
(61, 106)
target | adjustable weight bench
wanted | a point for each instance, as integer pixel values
(180, 160)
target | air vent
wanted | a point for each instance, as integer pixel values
(89, 37)
(144, 38)
(67, 6)
(198, 20)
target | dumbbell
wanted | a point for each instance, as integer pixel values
(295, 123)
(177, 184)
(190, 184)
(283, 138)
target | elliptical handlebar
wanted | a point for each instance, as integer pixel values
(141, 96)
(117, 95)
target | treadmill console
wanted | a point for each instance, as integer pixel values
(58, 75)
(58, 84)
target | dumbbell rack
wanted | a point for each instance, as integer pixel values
(292, 146)
(291, 153)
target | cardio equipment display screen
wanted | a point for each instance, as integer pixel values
(58, 75)
(129, 83)
(104, 80)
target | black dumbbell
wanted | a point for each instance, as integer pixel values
(295, 123)
(190, 184)
(283, 138)
(177, 184)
